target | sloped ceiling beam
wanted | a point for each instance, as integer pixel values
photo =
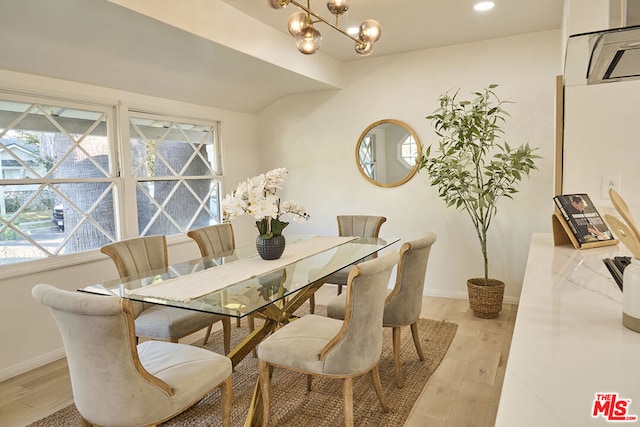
(219, 22)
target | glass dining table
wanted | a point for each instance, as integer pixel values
(241, 284)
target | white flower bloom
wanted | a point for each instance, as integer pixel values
(233, 207)
(241, 190)
(299, 219)
(296, 211)
(255, 194)
(263, 208)
(274, 179)
(257, 182)
(257, 197)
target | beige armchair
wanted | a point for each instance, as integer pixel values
(159, 322)
(118, 383)
(404, 302)
(352, 225)
(318, 345)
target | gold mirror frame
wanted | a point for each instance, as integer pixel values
(376, 128)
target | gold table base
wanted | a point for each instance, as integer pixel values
(275, 316)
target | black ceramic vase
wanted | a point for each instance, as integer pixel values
(270, 248)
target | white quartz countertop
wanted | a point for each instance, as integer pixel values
(569, 342)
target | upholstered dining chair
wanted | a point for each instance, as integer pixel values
(215, 241)
(321, 346)
(118, 383)
(159, 322)
(404, 302)
(352, 225)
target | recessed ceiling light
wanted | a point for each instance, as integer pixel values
(484, 5)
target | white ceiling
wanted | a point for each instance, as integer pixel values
(409, 25)
(99, 42)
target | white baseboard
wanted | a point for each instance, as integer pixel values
(30, 364)
(463, 295)
(445, 293)
(511, 300)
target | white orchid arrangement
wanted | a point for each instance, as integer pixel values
(257, 197)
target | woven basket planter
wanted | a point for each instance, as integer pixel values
(485, 301)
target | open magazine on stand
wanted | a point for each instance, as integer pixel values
(582, 222)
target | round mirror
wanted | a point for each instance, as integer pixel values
(386, 153)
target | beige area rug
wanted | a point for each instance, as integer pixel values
(291, 405)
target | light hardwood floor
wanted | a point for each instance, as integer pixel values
(464, 390)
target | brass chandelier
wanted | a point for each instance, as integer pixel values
(308, 38)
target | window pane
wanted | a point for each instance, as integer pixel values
(164, 148)
(367, 156)
(183, 159)
(88, 214)
(409, 150)
(45, 220)
(175, 206)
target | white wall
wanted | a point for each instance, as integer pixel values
(583, 16)
(602, 139)
(28, 333)
(315, 136)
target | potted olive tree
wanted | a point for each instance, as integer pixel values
(473, 168)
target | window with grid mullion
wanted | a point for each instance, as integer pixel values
(56, 184)
(174, 163)
(59, 175)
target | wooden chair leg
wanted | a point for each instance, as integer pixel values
(265, 379)
(206, 335)
(85, 423)
(312, 304)
(397, 332)
(375, 374)
(309, 381)
(238, 322)
(339, 289)
(225, 391)
(347, 396)
(416, 339)
(226, 334)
